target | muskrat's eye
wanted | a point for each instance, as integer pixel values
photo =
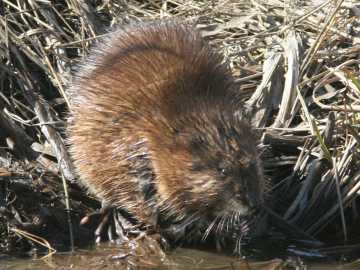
(223, 172)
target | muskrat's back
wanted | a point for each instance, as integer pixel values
(153, 129)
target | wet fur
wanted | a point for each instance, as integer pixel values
(153, 129)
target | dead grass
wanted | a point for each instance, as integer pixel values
(297, 66)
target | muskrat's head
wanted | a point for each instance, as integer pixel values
(208, 168)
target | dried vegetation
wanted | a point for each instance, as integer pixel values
(297, 65)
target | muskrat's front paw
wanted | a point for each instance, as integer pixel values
(108, 224)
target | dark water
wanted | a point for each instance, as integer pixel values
(103, 257)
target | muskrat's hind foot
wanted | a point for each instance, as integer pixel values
(108, 221)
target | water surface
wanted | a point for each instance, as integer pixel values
(109, 256)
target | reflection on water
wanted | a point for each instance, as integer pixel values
(102, 257)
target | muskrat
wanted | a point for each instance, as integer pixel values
(155, 130)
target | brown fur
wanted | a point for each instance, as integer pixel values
(153, 127)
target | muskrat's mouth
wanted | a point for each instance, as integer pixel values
(233, 223)
(232, 206)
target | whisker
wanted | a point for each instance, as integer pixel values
(233, 219)
(191, 219)
(209, 228)
(218, 225)
(221, 224)
(188, 221)
(227, 218)
(238, 245)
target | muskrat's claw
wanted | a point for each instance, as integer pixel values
(108, 221)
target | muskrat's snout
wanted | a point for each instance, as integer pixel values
(225, 171)
(254, 184)
(255, 195)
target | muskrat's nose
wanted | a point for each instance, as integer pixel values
(254, 199)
